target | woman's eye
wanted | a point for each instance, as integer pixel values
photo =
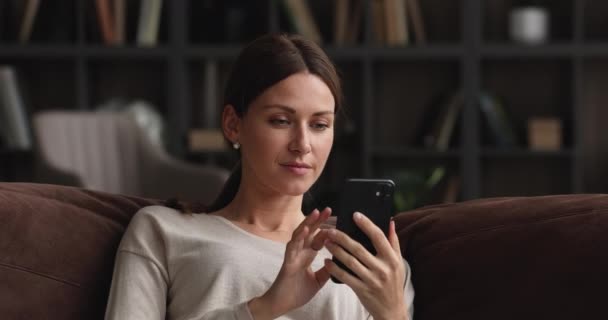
(279, 122)
(320, 126)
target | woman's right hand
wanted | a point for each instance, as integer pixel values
(296, 282)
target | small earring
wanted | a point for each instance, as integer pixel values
(236, 145)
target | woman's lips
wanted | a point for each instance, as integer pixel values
(296, 169)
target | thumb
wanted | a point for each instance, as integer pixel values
(322, 275)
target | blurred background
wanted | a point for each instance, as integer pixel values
(453, 100)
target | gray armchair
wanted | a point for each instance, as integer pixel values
(109, 151)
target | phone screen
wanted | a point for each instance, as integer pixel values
(371, 197)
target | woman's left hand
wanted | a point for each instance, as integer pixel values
(381, 277)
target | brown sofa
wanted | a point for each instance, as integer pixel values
(507, 258)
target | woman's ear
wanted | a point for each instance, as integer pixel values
(231, 123)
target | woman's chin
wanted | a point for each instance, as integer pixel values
(295, 189)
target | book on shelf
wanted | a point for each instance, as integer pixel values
(397, 22)
(417, 22)
(120, 14)
(395, 15)
(499, 124)
(105, 18)
(444, 123)
(347, 21)
(341, 13)
(354, 29)
(149, 22)
(400, 22)
(302, 19)
(27, 22)
(378, 22)
(14, 124)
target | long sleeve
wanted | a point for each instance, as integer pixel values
(409, 291)
(141, 282)
(139, 292)
(238, 312)
(138, 289)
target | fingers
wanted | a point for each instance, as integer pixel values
(319, 240)
(354, 248)
(315, 239)
(322, 275)
(343, 275)
(393, 239)
(323, 216)
(296, 243)
(313, 216)
(374, 233)
(350, 261)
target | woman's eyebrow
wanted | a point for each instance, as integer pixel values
(293, 111)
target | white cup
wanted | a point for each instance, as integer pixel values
(529, 25)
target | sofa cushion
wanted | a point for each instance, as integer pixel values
(509, 258)
(58, 246)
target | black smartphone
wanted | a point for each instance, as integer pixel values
(371, 197)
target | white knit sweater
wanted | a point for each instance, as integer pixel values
(178, 266)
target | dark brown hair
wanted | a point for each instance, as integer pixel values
(261, 64)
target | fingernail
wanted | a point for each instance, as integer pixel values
(357, 215)
(332, 232)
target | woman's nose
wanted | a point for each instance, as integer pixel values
(300, 142)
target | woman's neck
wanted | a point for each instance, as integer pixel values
(265, 211)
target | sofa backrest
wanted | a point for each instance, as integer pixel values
(509, 258)
(502, 258)
(57, 247)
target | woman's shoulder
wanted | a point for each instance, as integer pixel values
(163, 214)
(160, 222)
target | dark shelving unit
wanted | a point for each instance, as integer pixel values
(389, 90)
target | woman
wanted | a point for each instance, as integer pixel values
(254, 254)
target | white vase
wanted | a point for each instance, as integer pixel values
(529, 25)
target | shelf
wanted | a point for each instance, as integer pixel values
(339, 53)
(223, 51)
(39, 51)
(594, 49)
(509, 50)
(400, 53)
(213, 51)
(405, 152)
(515, 50)
(74, 51)
(525, 153)
(101, 51)
(392, 94)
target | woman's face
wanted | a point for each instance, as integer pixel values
(287, 134)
